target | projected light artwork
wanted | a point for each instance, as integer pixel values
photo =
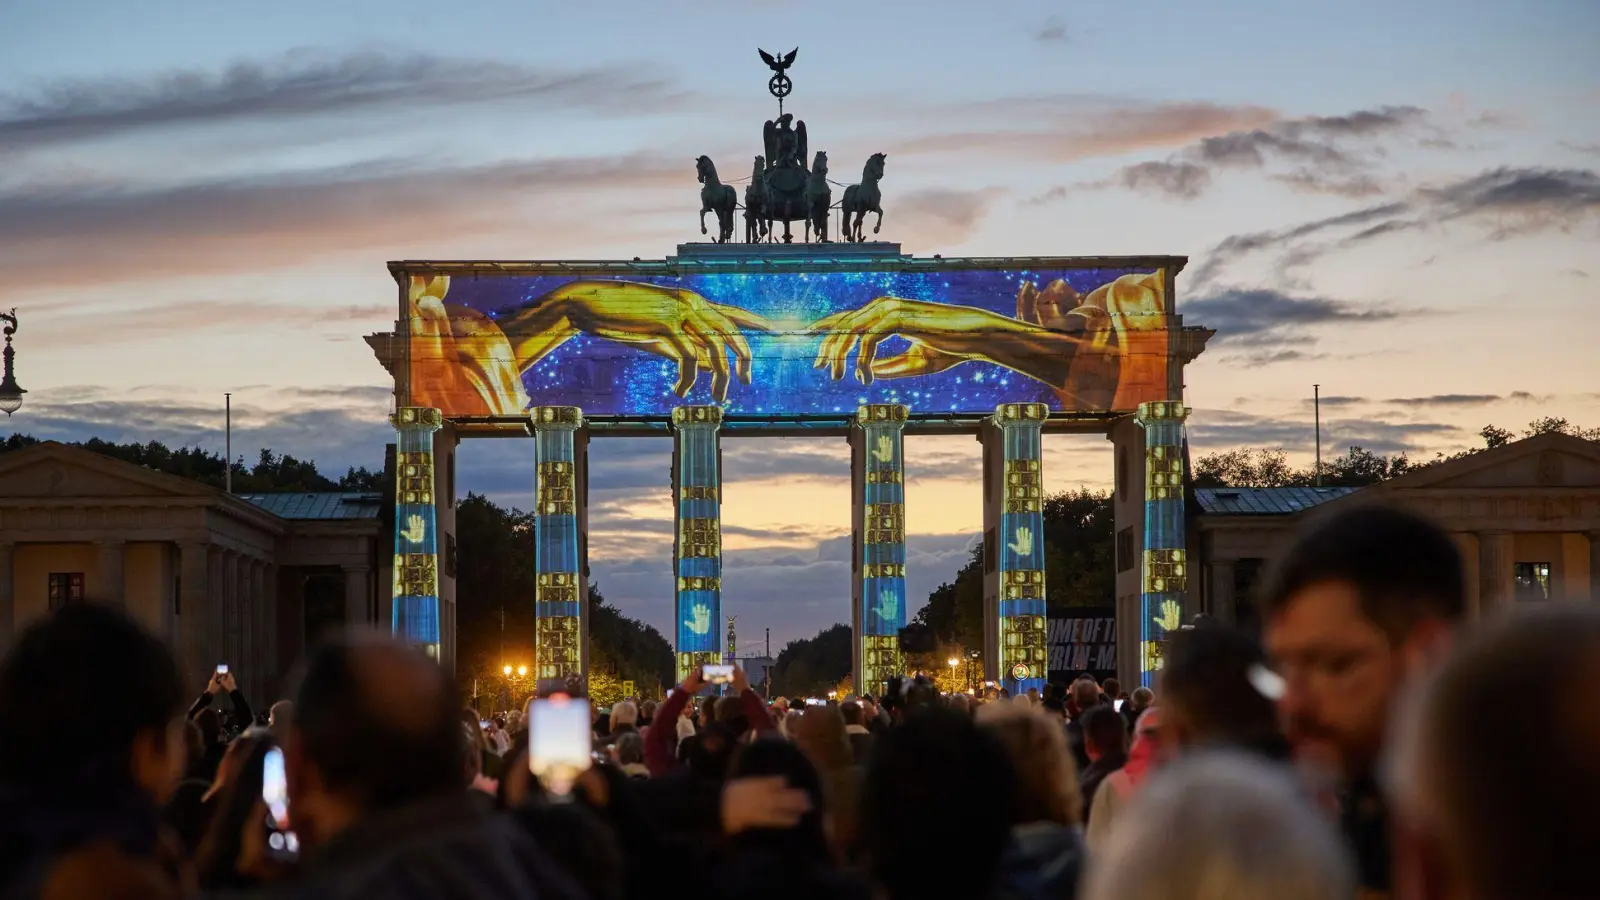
(416, 549)
(788, 344)
(1024, 659)
(558, 570)
(878, 467)
(1163, 571)
(697, 492)
(870, 345)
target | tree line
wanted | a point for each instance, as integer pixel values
(1357, 467)
(495, 582)
(272, 473)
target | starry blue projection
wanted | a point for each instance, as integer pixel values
(960, 341)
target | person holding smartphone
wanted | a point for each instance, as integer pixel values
(659, 756)
(223, 681)
(374, 790)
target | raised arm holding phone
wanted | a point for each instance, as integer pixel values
(223, 680)
(659, 755)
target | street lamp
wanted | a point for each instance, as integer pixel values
(522, 671)
(506, 671)
(10, 393)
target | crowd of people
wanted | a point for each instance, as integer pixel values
(1371, 743)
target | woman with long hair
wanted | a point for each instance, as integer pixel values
(1045, 855)
(820, 735)
(238, 814)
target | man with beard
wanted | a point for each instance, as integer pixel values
(1363, 603)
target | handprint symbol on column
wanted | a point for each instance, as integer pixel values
(1171, 618)
(415, 530)
(1022, 544)
(700, 622)
(884, 451)
(888, 606)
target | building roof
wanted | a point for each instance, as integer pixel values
(335, 505)
(1272, 501)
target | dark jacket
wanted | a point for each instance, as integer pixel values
(1089, 781)
(81, 841)
(447, 848)
(1043, 862)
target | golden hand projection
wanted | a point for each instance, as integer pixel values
(415, 530)
(1085, 346)
(458, 353)
(1171, 618)
(1022, 545)
(884, 451)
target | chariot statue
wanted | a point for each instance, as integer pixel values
(782, 187)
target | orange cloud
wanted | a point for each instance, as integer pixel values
(1103, 132)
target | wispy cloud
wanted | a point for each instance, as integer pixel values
(1505, 202)
(1262, 316)
(305, 83)
(1076, 129)
(135, 323)
(936, 218)
(1212, 430)
(1327, 155)
(87, 233)
(1051, 32)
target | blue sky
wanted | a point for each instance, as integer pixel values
(1397, 201)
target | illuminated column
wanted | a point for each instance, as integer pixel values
(1019, 546)
(558, 560)
(1163, 579)
(877, 470)
(697, 544)
(416, 546)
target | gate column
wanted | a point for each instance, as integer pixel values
(560, 596)
(1014, 648)
(1163, 574)
(878, 539)
(416, 545)
(697, 541)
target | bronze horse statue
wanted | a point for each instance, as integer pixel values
(716, 197)
(756, 225)
(819, 197)
(860, 199)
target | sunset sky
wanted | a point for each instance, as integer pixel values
(1397, 201)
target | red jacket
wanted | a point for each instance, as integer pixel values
(660, 742)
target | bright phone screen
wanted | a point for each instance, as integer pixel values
(559, 742)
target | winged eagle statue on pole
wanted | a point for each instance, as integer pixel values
(783, 187)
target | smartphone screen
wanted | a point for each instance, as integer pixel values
(1116, 705)
(222, 668)
(275, 794)
(559, 742)
(717, 674)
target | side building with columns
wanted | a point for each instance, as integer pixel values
(249, 580)
(1526, 516)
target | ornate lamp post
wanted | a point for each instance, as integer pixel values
(10, 393)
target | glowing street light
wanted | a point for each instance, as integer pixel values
(507, 671)
(522, 671)
(953, 662)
